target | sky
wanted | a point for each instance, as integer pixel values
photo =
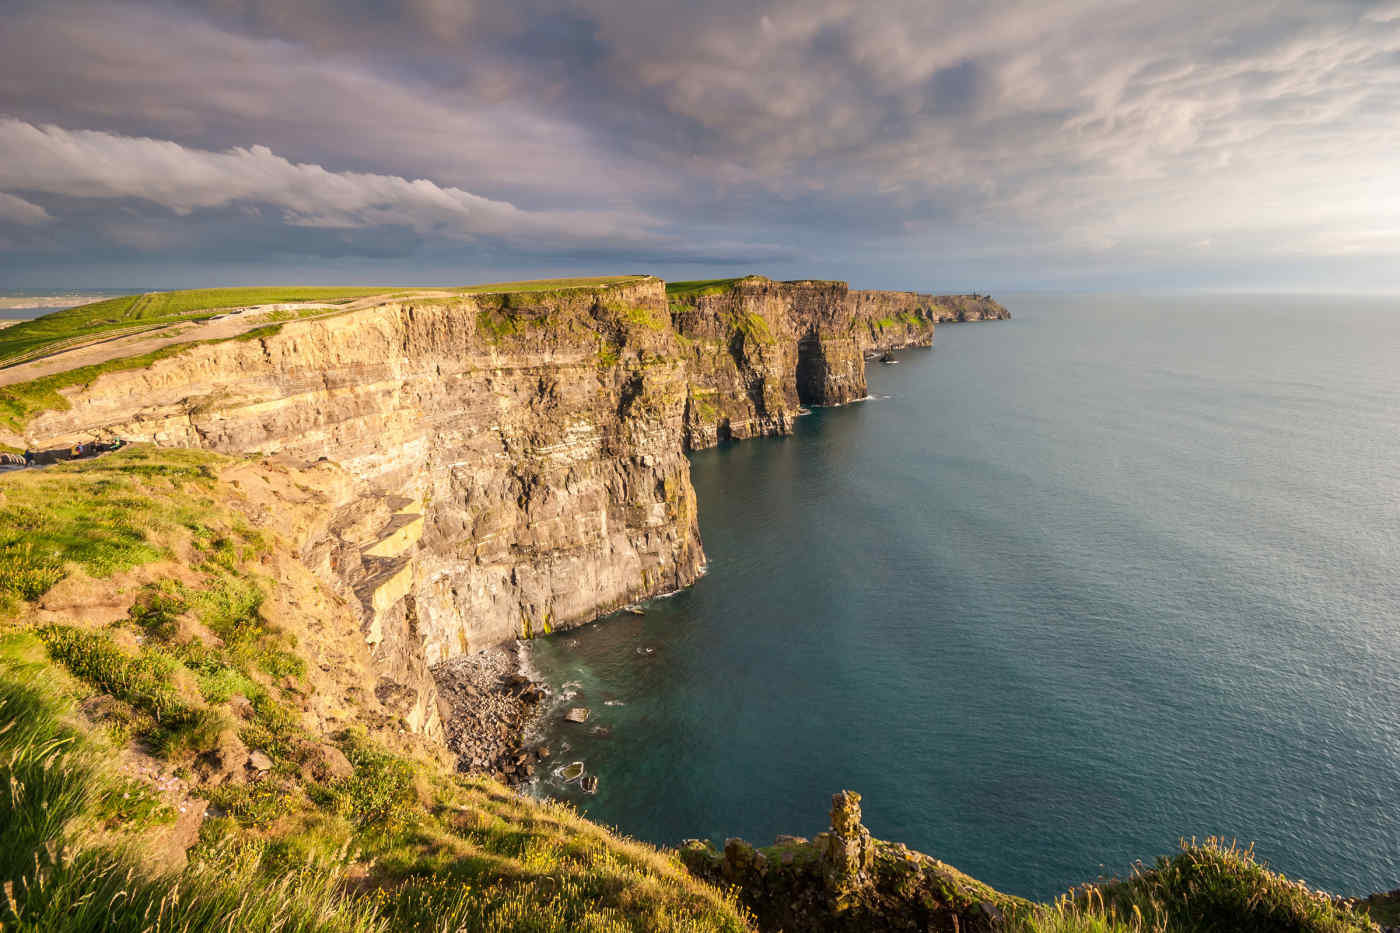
(953, 146)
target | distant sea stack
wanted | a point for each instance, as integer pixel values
(512, 463)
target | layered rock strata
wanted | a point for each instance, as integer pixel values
(516, 460)
(759, 350)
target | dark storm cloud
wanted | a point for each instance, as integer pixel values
(901, 136)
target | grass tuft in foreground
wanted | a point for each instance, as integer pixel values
(1207, 886)
(59, 785)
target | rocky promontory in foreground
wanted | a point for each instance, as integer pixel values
(509, 462)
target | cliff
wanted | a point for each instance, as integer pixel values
(515, 460)
(202, 724)
(758, 350)
(192, 736)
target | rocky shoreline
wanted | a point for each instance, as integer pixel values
(488, 703)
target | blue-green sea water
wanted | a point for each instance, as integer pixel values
(1070, 588)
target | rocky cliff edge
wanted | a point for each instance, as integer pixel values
(515, 461)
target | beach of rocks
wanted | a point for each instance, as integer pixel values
(489, 703)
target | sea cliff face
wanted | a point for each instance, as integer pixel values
(758, 350)
(516, 461)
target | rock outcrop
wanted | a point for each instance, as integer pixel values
(844, 881)
(515, 461)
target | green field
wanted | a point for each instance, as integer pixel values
(390, 840)
(699, 287)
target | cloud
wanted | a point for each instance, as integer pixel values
(378, 99)
(1048, 131)
(246, 191)
(88, 164)
(19, 211)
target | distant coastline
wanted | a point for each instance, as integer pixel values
(21, 304)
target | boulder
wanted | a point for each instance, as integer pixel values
(226, 760)
(333, 761)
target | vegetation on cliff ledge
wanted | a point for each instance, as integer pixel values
(21, 401)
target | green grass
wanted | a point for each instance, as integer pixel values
(379, 795)
(1204, 888)
(1216, 885)
(61, 789)
(101, 515)
(701, 287)
(143, 680)
(637, 315)
(1084, 914)
(753, 326)
(904, 319)
(608, 355)
(476, 857)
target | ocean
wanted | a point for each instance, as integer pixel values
(1068, 589)
(22, 304)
